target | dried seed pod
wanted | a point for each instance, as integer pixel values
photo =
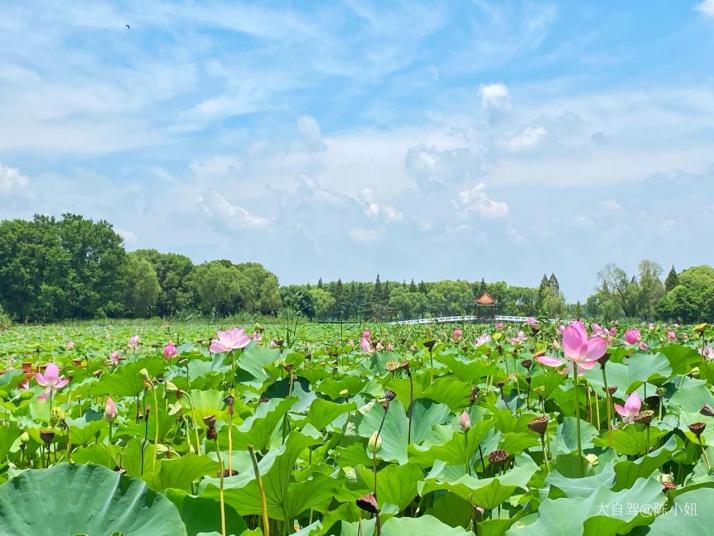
(539, 424)
(644, 417)
(498, 457)
(368, 503)
(697, 428)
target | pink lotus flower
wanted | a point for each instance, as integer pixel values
(257, 336)
(364, 343)
(274, 344)
(114, 358)
(457, 334)
(632, 336)
(531, 321)
(707, 352)
(227, 341)
(482, 339)
(671, 335)
(519, 338)
(580, 350)
(643, 346)
(499, 325)
(24, 385)
(631, 409)
(465, 421)
(613, 331)
(169, 350)
(390, 347)
(133, 342)
(69, 345)
(110, 410)
(379, 347)
(51, 379)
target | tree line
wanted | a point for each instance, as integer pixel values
(74, 268)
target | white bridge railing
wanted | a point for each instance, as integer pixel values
(457, 319)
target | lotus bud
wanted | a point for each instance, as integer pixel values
(24, 438)
(465, 421)
(110, 410)
(375, 442)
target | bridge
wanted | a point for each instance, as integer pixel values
(461, 319)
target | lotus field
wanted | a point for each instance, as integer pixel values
(189, 428)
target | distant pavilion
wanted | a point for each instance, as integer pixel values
(486, 306)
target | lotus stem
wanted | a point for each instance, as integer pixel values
(545, 453)
(704, 453)
(608, 402)
(466, 452)
(220, 490)
(261, 491)
(156, 425)
(577, 420)
(411, 405)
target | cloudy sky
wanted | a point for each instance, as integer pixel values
(429, 140)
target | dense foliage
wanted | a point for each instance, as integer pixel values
(74, 268)
(176, 429)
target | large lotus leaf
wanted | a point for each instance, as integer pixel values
(566, 440)
(632, 440)
(127, 379)
(485, 492)
(252, 363)
(396, 484)
(455, 450)
(180, 472)
(449, 391)
(257, 429)
(394, 431)
(426, 414)
(579, 487)
(409, 526)
(202, 515)
(681, 358)
(629, 471)
(285, 496)
(691, 394)
(691, 513)
(604, 512)
(84, 499)
(323, 412)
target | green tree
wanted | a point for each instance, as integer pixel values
(174, 275)
(672, 280)
(323, 302)
(142, 286)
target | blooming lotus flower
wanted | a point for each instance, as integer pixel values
(364, 343)
(632, 336)
(133, 342)
(580, 350)
(598, 330)
(531, 321)
(499, 325)
(257, 336)
(632, 406)
(457, 334)
(51, 379)
(379, 347)
(390, 347)
(643, 345)
(671, 335)
(169, 350)
(707, 352)
(274, 343)
(69, 345)
(227, 341)
(110, 410)
(519, 338)
(482, 339)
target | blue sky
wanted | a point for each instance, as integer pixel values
(429, 140)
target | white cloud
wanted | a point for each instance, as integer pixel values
(706, 7)
(11, 180)
(526, 138)
(364, 235)
(494, 95)
(309, 129)
(476, 201)
(610, 204)
(129, 237)
(232, 216)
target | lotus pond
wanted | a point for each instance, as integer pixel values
(196, 428)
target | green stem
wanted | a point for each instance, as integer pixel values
(577, 420)
(261, 491)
